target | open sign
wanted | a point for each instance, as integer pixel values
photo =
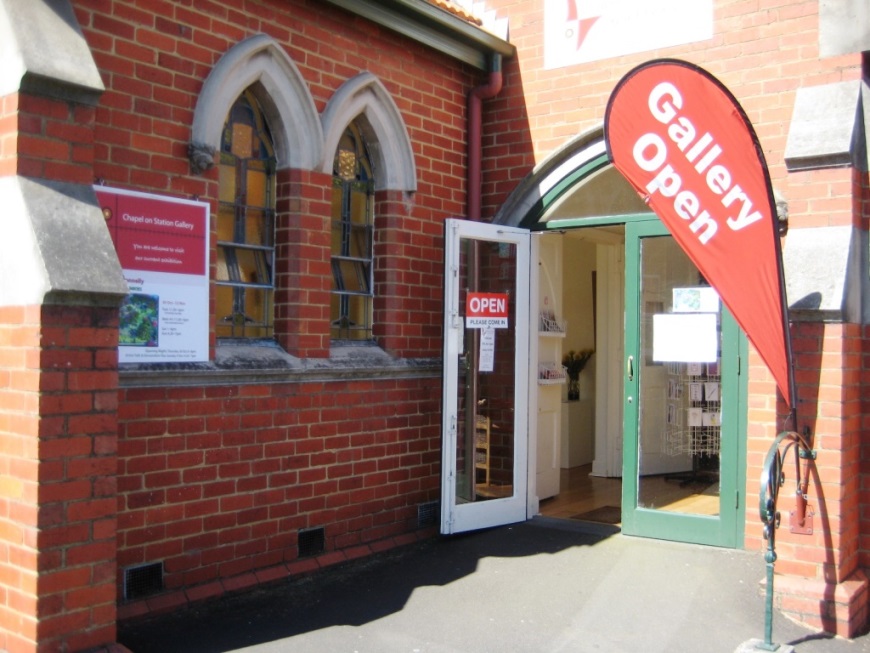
(486, 310)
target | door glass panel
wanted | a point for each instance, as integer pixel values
(485, 447)
(680, 403)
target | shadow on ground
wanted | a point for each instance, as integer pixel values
(353, 594)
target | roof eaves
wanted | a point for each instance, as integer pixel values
(457, 10)
(434, 25)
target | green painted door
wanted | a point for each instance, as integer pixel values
(684, 418)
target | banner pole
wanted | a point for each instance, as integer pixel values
(786, 321)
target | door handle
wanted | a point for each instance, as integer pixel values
(629, 368)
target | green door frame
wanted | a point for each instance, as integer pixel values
(727, 529)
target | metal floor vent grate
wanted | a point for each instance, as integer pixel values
(427, 514)
(312, 542)
(142, 581)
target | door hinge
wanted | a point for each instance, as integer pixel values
(737, 500)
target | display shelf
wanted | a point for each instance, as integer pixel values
(550, 326)
(694, 410)
(551, 374)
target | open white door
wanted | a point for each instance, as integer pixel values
(485, 388)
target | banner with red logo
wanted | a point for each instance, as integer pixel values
(684, 143)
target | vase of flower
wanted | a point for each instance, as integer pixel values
(573, 389)
(574, 362)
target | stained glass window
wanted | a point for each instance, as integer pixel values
(246, 224)
(352, 239)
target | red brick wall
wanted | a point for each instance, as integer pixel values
(302, 272)
(191, 458)
(19, 419)
(8, 134)
(58, 400)
(408, 271)
(46, 138)
(215, 481)
(864, 443)
(154, 58)
(829, 370)
(55, 139)
(862, 220)
(828, 364)
(763, 52)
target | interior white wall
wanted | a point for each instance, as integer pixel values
(578, 417)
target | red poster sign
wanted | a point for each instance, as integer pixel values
(155, 234)
(162, 244)
(682, 140)
(486, 310)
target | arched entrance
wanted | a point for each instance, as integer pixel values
(653, 433)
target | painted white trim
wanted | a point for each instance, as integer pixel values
(576, 161)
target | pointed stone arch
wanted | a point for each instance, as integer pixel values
(261, 63)
(364, 96)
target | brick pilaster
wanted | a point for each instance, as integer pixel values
(58, 500)
(46, 138)
(818, 580)
(302, 250)
(408, 278)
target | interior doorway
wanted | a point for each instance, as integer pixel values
(604, 271)
(580, 443)
(581, 279)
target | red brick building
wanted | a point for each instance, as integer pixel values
(188, 414)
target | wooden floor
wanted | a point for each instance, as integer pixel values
(581, 493)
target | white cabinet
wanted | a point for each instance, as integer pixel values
(577, 432)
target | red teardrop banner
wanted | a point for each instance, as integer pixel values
(685, 144)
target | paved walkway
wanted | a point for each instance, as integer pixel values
(544, 586)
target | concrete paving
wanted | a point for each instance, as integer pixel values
(544, 586)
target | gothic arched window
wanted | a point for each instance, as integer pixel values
(246, 224)
(352, 239)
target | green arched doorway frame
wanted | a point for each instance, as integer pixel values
(547, 198)
(537, 204)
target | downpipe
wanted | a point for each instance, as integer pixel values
(475, 135)
(474, 192)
